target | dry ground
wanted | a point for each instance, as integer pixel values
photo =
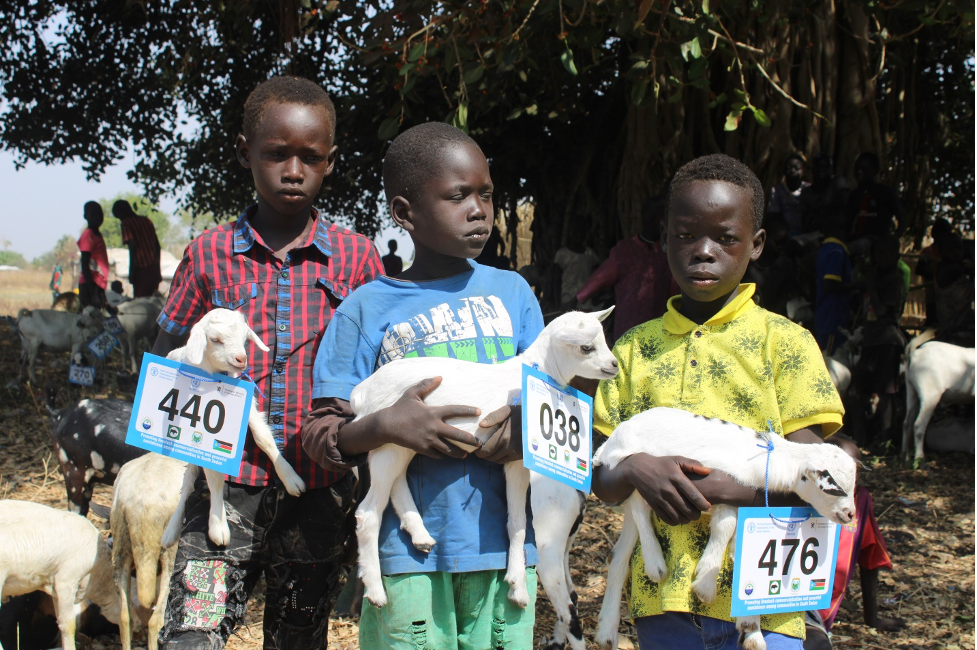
(926, 515)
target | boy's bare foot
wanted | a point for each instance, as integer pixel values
(889, 624)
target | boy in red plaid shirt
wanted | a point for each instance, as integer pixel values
(287, 269)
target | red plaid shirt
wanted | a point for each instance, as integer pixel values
(288, 303)
(141, 232)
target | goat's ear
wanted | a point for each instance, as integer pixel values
(258, 342)
(601, 315)
(578, 335)
(193, 353)
(827, 484)
(862, 467)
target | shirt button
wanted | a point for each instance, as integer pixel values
(284, 275)
(279, 368)
(694, 363)
(698, 334)
(282, 327)
(278, 419)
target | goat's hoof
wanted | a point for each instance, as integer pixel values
(377, 597)
(657, 572)
(705, 588)
(519, 595)
(606, 642)
(219, 533)
(750, 636)
(423, 543)
(294, 485)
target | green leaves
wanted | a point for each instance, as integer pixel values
(459, 118)
(474, 73)
(566, 58)
(389, 128)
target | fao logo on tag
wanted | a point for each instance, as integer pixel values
(751, 527)
(194, 384)
(154, 371)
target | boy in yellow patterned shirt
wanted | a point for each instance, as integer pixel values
(717, 354)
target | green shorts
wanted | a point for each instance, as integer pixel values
(449, 611)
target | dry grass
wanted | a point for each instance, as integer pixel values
(26, 289)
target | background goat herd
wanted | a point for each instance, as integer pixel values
(927, 516)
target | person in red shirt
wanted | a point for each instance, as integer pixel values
(860, 544)
(638, 270)
(94, 259)
(287, 268)
(139, 235)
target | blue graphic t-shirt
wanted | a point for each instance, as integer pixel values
(485, 315)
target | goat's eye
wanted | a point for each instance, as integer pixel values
(587, 348)
(214, 339)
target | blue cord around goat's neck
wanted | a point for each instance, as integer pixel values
(247, 375)
(766, 473)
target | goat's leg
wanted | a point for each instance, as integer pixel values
(750, 636)
(912, 411)
(651, 550)
(557, 510)
(65, 593)
(927, 404)
(722, 528)
(410, 519)
(122, 574)
(617, 574)
(386, 464)
(175, 526)
(265, 439)
(217, 529)
(516, 487)
(166, 561)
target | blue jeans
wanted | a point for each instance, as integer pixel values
(673, 630)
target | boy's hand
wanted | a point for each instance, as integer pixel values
(411, 423)
(505, 445)
(661, 481)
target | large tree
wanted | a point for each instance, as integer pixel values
(582, 106)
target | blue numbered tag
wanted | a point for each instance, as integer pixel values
(102, 344)
(556, 425)
(785, 561)
(183, 412)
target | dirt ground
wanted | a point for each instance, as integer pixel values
(926, 516)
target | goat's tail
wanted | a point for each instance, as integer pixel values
(24, 311)
(925, 337)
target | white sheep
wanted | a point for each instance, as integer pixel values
(58, 331)
(143, 501)
(217, 344)
(59, 553)
(138, 319)
(936, 372)
(822, 475)
(571, 345)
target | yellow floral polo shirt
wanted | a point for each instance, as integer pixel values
(745, 365)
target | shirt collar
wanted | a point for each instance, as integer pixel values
(835, 240)
(676, 323)
(245, 237)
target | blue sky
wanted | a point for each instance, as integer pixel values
(45, 202)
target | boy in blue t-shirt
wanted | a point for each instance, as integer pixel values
(439, 190)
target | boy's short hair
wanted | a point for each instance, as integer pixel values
(795, 156)
(414, 156)
(92, 208)
(720, 167)
(284, 90)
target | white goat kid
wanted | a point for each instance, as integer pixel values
(571, 345)
(143, 501)
(822, 475)
(936, 372)
(59, 553)
(217, 344)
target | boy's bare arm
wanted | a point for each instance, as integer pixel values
(679, 489)
(410, 423)
(166, 343)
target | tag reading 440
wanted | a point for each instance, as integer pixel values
(556, 425)
(185, 413)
